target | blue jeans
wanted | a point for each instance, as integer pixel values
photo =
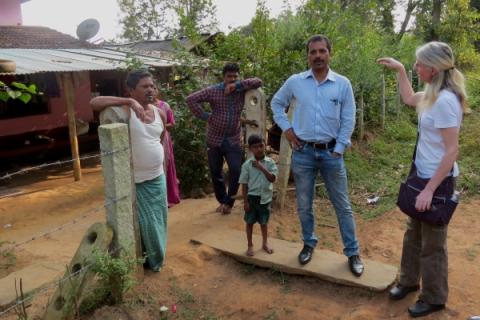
(232, 153)
(306, 162)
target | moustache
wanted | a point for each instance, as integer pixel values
(317, 60)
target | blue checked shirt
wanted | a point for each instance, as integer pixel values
(323, 111)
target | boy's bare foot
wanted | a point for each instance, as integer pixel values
(220, 208)
(226, 209)
(267, 249)
(250, 251)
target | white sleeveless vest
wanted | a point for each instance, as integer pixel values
(147, 151)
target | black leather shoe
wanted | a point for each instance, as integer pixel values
(356, 265)
(421, 308)
(305, 255)
(399, 292)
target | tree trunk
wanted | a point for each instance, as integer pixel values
(412, 4)
(436, 14)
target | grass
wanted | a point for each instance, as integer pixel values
(7, 257)
(248, 269)
(281, 278)
(272, 315)
(377, 166)
(471, 254)
(188, 306)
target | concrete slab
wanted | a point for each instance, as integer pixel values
(33, 277)
(325, 264)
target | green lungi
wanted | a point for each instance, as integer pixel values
(152, 212)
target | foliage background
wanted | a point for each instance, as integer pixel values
(361, 32)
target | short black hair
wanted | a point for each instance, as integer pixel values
(319, 37)
(230, 67)
(134, 76)
(254, 139)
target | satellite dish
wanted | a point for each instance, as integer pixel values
(87, 29)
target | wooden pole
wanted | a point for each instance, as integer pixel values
(284, 161)
(398, 100)
(69, 96)
(383, 104)
(361, 124)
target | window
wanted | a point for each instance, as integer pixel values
(46, 83)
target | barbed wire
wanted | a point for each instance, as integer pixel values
(46, 287)
(59, 163)
(86, 214)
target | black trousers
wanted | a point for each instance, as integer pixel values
(232, 153)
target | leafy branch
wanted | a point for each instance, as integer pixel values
(17, 90)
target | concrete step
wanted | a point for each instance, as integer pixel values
(326, 265)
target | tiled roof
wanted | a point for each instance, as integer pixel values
(30, 37)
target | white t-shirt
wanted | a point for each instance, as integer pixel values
(446, 112)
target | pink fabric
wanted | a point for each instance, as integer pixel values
(173, 191)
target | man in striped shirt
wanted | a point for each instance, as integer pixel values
(226, 100)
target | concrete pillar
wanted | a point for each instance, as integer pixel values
(120, 189)
(255, 109)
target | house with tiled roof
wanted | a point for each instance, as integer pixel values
(36, 37)
(54, 62)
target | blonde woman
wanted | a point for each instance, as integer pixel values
(440, 107)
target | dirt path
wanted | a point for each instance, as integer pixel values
(204, 284)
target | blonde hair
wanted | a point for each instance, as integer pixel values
(439, 55)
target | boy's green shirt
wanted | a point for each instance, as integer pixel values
(257, 182)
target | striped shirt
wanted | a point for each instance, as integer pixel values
(224, 120)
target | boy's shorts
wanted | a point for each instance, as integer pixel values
(258, 212)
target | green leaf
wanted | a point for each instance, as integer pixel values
(25, 97)
(32, 89)
(4, 96)
(14, 94)
(19, 85)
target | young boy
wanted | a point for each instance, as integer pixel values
(258, 173)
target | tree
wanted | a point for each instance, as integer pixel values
(386, 8)
(143, 19)
(428, 18)
(157, 19)
(411, 5)
(197, 14)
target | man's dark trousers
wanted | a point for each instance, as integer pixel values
(232, 153)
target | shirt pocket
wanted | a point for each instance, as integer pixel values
(332, 106)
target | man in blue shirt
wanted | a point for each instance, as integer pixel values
(323, 122)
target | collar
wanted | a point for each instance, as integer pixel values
(331, 75)
(252, 158)
(220, 85)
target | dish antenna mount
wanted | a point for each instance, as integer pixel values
(87, 29)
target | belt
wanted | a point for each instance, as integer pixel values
(320, 146)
